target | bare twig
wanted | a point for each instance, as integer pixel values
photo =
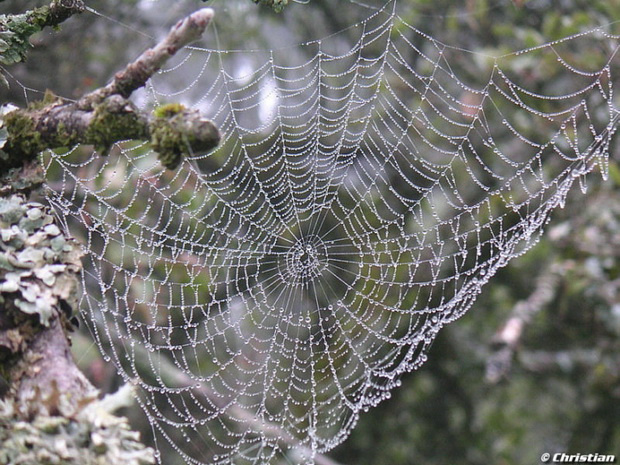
(137, 73)
(507, 338)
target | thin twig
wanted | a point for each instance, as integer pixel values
(136, 74)
(508, 337)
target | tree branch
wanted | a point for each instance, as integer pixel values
(137, 73)
(508, 337)
(277, 5)
(105, 116)
(17, 29)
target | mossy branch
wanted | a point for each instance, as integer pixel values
(277, 5)
(59, 125)
(105, 116)
(15, 30)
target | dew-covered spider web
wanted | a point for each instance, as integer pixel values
(262, 296)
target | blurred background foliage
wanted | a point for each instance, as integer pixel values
(478, 400)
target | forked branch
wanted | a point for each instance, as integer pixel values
(105, 116)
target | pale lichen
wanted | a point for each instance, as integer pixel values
(15, 30)
(38, 265)
(90, 435)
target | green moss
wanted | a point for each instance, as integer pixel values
(64, 137)
(177, 131)
(168, 110)
(49, 98)
(169, 141)
(110, 124)
(24, 140)
(113, 120)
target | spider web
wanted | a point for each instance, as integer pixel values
(263, 295)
